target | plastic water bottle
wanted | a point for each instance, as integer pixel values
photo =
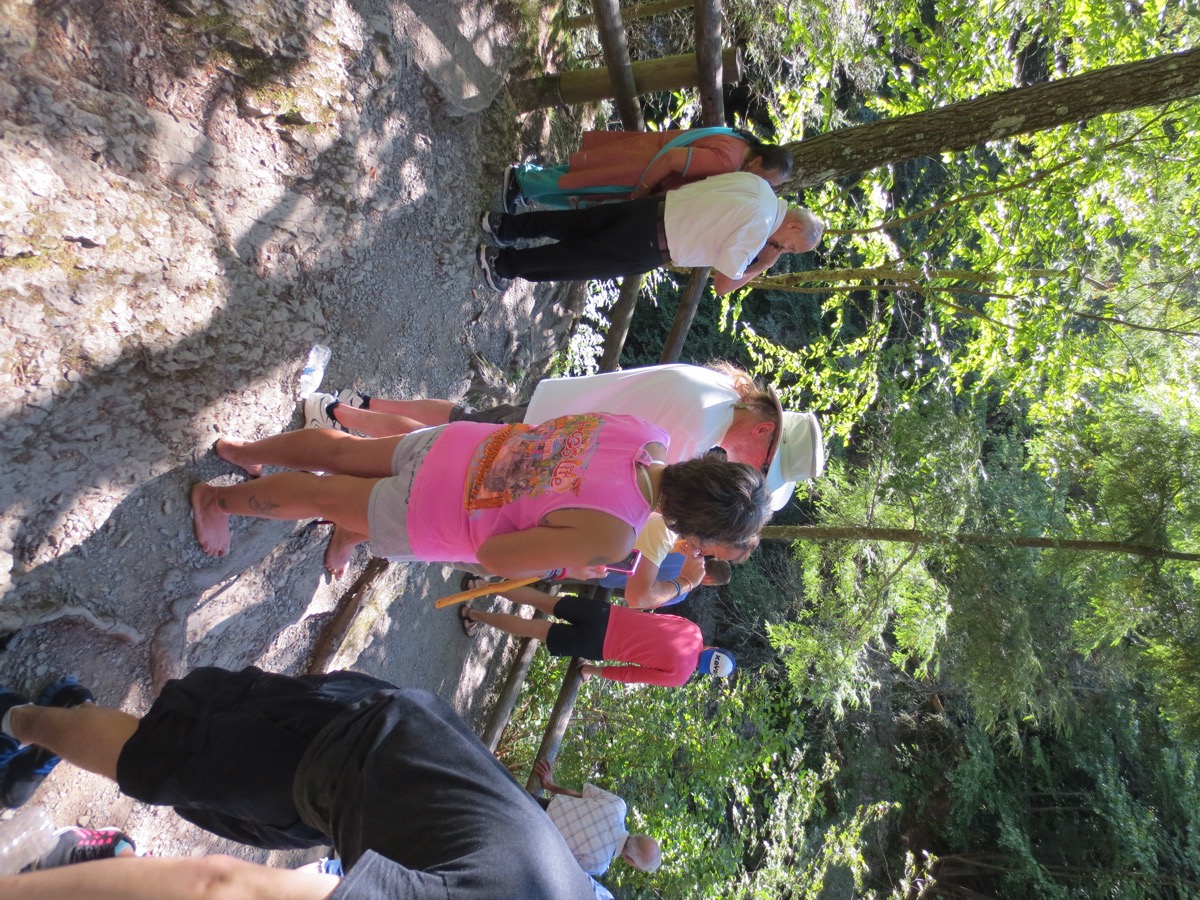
(314, 370)
(24, 838)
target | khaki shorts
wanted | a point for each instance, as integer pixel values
(387, 509)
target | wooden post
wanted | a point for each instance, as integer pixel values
(334, 632)
(502, 711)
(560, 718)
(637, 11)
(708, 59)
(616, 56)
(588, 85)
(688, 301)
(619, 319)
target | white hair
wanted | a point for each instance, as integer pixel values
(815, 227)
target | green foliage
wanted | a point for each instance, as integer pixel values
(717, 774)
(1142, 470)
(1001, 341)
(1104, 808)
(876, 597)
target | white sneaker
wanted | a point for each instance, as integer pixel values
(351, 397)
(316, 411)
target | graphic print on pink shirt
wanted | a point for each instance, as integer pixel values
(528, 461)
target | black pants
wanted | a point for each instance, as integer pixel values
(222, 748)
(609, 240)
(585, 635)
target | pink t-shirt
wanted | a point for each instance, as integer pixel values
(662, 650)
(481, 480)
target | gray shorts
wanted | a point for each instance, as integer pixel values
(504, 414)
(387, 509)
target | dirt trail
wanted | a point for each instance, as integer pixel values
(193, 193)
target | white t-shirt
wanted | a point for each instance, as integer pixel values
(692, 404)
(722, 221)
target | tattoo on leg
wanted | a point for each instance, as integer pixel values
(262, 506)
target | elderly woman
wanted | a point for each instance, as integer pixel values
(517, 499)
(629, 165)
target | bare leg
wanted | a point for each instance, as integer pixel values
(223, 447)
(314, 449)
(518, 625)
(166, 878)
(88, 736)
(531, 596)
(341, 547)
(427, 412)
(375, 424)
(342, 499)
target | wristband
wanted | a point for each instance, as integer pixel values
(677, 588)
(554, 575)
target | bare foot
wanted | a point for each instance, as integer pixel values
(228, 451)
(341, 547)
(210, 523)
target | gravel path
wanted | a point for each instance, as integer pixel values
(192, 193)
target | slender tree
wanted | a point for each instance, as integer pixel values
(917, 536)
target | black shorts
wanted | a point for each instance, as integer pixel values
(222, 748)
(504, 414)
(585, 635)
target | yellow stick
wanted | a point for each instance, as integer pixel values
(492, 587)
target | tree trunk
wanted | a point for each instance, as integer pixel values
(958, 126)
(914, 536)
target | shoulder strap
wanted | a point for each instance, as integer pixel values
(690, 136)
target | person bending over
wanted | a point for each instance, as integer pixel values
(733, 223)
(700, 407)
(670, 567)
(629, 165)
(592, 822)
(653, 648)
(517, 499)
(413, 803)
(675, 579)
(667, 570)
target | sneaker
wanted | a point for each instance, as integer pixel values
(486, 257)
(316, 411)
(491, 223)
(513, 198)
(29, 769)
(10, 748)
(78, 845)
(353, 398)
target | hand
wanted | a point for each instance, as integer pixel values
(692, 572)
(586, 573)
(542, 769)
(587, 671)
